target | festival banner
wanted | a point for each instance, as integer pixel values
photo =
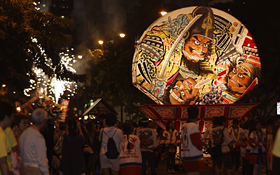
(197, 56)
(163, 113)
(64, 109)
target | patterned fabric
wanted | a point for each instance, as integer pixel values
(171, 139)
(216, 135)
(192, 156)
(234, 132)
(148, 139)
(130, 160)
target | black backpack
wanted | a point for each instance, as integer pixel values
(112, 151)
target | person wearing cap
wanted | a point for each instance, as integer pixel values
(148, 142)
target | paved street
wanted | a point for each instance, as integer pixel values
(162, 170)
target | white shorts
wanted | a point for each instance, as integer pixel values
(113, 164)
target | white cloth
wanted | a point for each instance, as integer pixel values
(170, 137)
(243, 137)
(148, 139)
(132, 156)
(118, 138)
(216, 135)
(188, 149)
(235, 133)
(16, 163)
(33, 151)
(254, 137)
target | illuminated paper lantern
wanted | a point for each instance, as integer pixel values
(196, 55)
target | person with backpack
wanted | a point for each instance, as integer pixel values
(111, 138)
(148, 142)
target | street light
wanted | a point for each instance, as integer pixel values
(163, 13)
(100, 42)
(80, 56)
(122, 35)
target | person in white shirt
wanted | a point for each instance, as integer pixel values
(130, 155)
(235, 131)
(33, 150)
(148, 142)
(170, 135)
(110, 166)
(192, 144)
(220, 136)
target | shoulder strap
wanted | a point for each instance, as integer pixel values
(112, 135)
(115, 132)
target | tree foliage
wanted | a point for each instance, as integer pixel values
(30, 36)
(111, 77)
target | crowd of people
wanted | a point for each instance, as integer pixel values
(243, 143)
(34, 145)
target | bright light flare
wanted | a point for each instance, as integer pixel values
(122, 35)
(18, 109)
(80, 56)
(51, 86)
(100, 42)
(163, 13)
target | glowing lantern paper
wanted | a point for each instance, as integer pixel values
(196, 55)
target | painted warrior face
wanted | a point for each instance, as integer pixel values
(196, 48)
(239, 78)
(183, 92)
